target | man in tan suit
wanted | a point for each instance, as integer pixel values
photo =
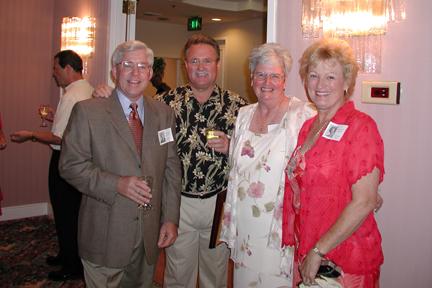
(123, 220)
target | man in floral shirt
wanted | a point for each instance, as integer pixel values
(199, 106)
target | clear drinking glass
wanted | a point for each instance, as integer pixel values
(211, 135)
(149, 181)
(43, 112)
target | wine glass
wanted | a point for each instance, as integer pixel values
(210, 134)
(43, 112)
(149, 182)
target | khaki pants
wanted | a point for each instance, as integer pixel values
(190, 255)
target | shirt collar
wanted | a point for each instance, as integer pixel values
(73, 84)
(125, 103)
(214, 94)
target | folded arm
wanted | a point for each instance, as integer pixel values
(364, 201)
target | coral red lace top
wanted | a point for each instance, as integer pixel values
(324, 177)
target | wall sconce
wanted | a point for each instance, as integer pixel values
(78, 34)
(360, 22)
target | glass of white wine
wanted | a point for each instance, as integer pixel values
(43, 112)
(210, 134)
(149, 182)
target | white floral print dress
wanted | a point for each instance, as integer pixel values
(252, 224)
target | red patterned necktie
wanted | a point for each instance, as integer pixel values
(136, 126)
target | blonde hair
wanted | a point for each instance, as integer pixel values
(331, 49)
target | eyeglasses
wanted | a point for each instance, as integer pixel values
(275, 78)
(203, 62)
(129, 66)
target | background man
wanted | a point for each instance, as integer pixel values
(199, 106)
(104, 156)
(65, 199)
(158, 74)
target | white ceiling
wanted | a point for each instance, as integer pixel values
(178, 11)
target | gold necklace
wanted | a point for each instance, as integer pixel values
(308, 145)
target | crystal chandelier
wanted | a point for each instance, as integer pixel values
(78, 34)
(361, 22)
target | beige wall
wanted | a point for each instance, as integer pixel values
(239, 41)
(239, 38)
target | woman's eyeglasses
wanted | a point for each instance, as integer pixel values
(275, 78)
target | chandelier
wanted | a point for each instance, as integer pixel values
(361, 22)
(78, 34)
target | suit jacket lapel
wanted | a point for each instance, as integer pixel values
(150, 128)
(120, 123)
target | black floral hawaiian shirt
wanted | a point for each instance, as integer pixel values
(205, 172)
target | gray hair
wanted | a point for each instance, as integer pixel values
(266, 52)
(129, 46)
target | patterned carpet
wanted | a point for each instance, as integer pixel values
(24, 245)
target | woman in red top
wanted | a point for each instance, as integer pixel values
(333, 175)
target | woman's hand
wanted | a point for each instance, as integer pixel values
(309, 268)
(102, 91)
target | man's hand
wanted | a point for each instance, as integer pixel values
(167, 234)
(219, 144)
(3, 142)
(50, 116)
(102, 91)
(135, 189)
(21, 136)
(379, 203)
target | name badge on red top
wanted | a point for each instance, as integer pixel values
(334, 131)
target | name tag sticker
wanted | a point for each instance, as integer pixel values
(165, 136)
(334, 131)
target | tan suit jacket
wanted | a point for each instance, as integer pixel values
(97, 149)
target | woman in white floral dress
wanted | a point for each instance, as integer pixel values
(265, 136)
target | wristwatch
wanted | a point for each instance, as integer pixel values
(318, 252)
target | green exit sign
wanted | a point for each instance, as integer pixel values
(194, 23)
